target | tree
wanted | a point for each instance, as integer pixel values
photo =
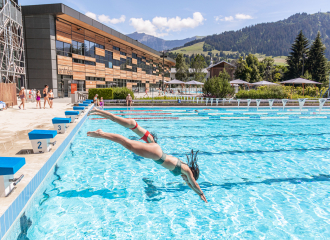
(218, 86)
(198, 64)
(295, 59)
(253, 63)
(181, 68)
(317, 62)
(242, 70)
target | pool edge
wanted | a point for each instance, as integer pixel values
(11, 215)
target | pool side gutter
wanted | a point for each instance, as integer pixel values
(17, 206)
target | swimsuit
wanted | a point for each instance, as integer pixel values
(145, 136)
(21, 96)
(38, 98)
(177, 170)
(101, 104)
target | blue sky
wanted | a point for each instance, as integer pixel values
(186, 18)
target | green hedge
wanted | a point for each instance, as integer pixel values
(121, 93)
(106, 93)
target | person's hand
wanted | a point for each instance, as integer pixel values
(203, 197)
(96, 134)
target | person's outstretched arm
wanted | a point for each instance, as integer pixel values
(146, 150)
(188, 177)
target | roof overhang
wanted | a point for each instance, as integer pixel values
(64, 12)
(208, 68)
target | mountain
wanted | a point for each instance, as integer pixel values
(273, 38)
(158, 43)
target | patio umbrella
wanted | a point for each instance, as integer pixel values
(193, 82)
(261, 83)
(175, 81)
(239, 81)
(300, 81)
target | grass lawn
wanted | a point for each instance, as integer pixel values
(197, 48)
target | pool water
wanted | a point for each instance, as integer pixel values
(263, 179)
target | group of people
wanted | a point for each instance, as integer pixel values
(98, 102)
(150, 149)
(47, 95)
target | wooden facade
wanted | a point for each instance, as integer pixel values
(215, 69)
(68, 29)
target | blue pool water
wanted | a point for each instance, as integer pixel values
(263, 178)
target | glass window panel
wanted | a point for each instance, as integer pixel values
(80, 48)
(74, 47)
(67, 47)
(86, 47)
(59, 46)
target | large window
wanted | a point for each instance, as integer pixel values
(99, 46)
(77, 48)
(63, 49)
(134, 55)
(116, 48)
(122, 53)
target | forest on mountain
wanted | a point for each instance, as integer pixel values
(274, 38)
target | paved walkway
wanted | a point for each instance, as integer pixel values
(15, 124)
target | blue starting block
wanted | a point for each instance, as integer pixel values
(79, 109)
(8, 167)
(87, 102)
(60, 124)
(40, 140)
(83, 105)
(72, 115)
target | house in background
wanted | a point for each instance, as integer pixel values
(214, 69)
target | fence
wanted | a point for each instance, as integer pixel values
(8, 93)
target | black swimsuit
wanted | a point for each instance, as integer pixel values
(177, 170)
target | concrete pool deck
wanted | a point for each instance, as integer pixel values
(15, 125)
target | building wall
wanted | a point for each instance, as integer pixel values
(40, 51)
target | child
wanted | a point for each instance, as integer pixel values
(38, 97)
(101, 104)
(51, 98)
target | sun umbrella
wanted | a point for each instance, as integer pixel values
(175, 81)
(193, 82)
(238, 81)
(263, 83)
(300, 81)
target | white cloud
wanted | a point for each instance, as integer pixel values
(242, 16)
(238, 16)
(160, 26)
(91, 15)
(106, 19)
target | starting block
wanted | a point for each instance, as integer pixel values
(72, 115)
(79, 109)
(40, 140)
(60, 124)
(87, 102)
(83, 105)
(8, 167)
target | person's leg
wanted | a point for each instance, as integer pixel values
(23, 101)
(45, 99)
(146, 150)
(125, 122)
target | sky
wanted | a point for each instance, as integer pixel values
(179, 19)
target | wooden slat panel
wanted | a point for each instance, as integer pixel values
(90, 74)
(122, 56)
(90, 84)
(109, 71)
(90, 59)
(116, 72)
(64, 70)
(100, 66)
(77, 56)
(78, 67)
(79, 76)
(100, 82)
(134, 61)
(128, 66)
(108, 78)
(90, 39)
(99, 39)
(89, 34)
(63, 27)
(99, 51)
(78, 37)
(61, 60)
(116, 44)
(63, 37)
(108, 47)
(116, 55)
(116, 67)
(90, 68)
(100, 73)
(76, 28)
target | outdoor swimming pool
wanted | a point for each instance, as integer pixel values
(265, 177)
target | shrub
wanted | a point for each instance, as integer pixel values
(121, 93)
(106, 93)
(264, 92)
(218, 86)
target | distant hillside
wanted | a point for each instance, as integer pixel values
(272, 39)
(158, 43)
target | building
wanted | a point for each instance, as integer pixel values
(191, 70)
(67, 50)
(214, 69)
(12, 55)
